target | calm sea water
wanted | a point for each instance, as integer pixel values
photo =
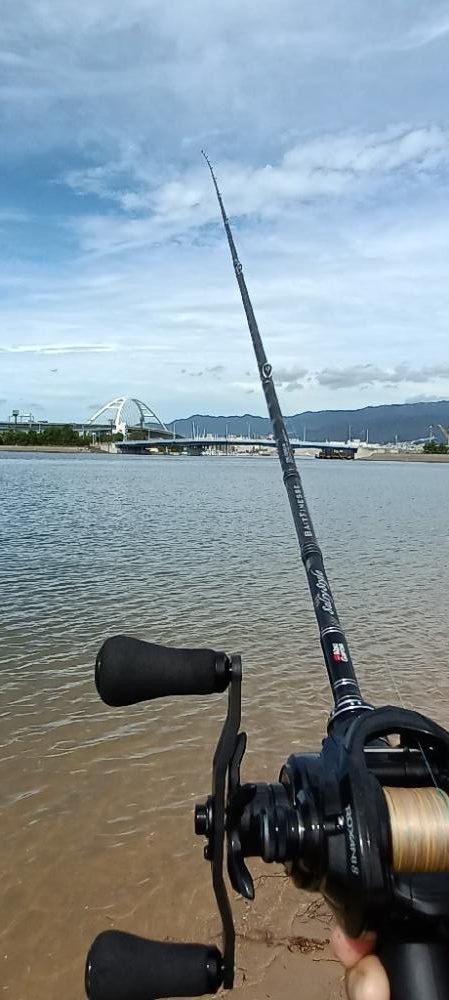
(95, 803)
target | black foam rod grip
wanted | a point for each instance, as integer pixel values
(416, 970)
(126, 967)
(130, 670)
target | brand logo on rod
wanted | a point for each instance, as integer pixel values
(339, 653)
(323, 595)
(303, 512)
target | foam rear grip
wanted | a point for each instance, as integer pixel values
(129, 670)
(123, 966)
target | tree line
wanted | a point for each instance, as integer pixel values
(63, 435)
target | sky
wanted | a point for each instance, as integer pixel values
(328, 127)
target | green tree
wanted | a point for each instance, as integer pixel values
(432, 448)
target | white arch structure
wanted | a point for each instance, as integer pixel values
(120, 410)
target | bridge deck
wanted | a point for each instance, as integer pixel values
(202, 443)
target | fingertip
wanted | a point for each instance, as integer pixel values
(367, 980)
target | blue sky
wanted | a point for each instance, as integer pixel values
(328, 127)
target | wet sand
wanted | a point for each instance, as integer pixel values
(283, 946)
(97, 833)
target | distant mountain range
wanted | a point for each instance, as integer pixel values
(383, 424)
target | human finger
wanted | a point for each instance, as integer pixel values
(365, 976)
(367, 980)
(351, 950)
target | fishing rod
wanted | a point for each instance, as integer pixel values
(363, 821)
(343, 681)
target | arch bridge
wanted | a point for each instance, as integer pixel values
(126, 412)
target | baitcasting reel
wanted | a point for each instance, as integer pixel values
(363, 822)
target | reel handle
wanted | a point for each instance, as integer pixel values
(123, 966)
(416, 969)
(128, 670)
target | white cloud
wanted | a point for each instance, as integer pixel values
(334, 166)
(368, 374)
(9, 216)
(94, 77)
(431, 29)
(426, 397)
(58, 349)
(329, 132)
(81, 348)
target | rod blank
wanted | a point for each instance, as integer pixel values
(342, 678)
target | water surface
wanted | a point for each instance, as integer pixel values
(96, 803)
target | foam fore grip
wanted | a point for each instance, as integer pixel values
(129, 670)
(126, 967)
(416, 970)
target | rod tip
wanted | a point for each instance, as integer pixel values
(208, 162)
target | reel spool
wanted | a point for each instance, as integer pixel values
(419, 829)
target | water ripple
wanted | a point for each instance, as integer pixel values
(96, 803)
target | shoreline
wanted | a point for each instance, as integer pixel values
(367, 456)
(62, 448)
(407, 456)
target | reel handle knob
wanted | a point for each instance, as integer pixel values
(123, 966)
(129, 670)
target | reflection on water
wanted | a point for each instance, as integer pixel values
(96, 803)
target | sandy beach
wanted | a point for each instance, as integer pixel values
(282, 946)
(401, 456)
